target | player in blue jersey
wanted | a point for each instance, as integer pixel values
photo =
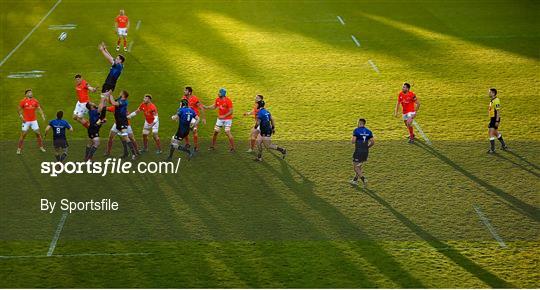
(60, 143)
(187, 119)
(117, 65)
(266, 126)
(121, 119)
(93, 128)
(363, 140)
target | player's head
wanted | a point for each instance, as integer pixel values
(122, 12)
(260, 104)
(259, 98)
(91, 106)
(406, 87)
(361, 122)
(147, 98)
(188, 91)
(124, 94)
(59, 115)
(222, 93)
(184, 103)
(119, 59)
(78, 78)
(492, 92)
(28, 93)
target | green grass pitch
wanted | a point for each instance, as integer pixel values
(226, 221)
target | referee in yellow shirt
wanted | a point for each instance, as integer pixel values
(495, 120)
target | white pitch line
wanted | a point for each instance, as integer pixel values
(489, 226)
(340, 20)
(138, 25)
(355, 40)
(375, 68)
(421, 132)
(75, 255)
(57, 234)
(130, 45)
(30, 33)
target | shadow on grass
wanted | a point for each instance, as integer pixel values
(514, 203)
(524, 160)
(519, 165)
(449, 252)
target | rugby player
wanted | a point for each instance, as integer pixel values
(363, 140)
(122, 25)
(410, 105)
(254, 131)
(266, 125)
(121, 122)
(27, 112)
(198, 107)
(117, 65)
(224, 119)
(93, 129)
(114, 132)
(187, 118)
(60, 143)
(82, 88)
(151, 122)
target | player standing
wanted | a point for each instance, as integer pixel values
(254, 131)
(266, 125)
(115, 132)
(410, 106)
(197, 106)
(225, 116)
(93, 128)
(60, 143)
(187, 118)
(81, 88)
(151, 122)
(495, 120)
(117, 65)
(363, 140)
(121, 120)
(27, 112)
(122, 25)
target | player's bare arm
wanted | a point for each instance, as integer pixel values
(371, 142)
(134, 113)
(396, 109)
(212, 107)
(203, 114)
(20, 111)
(273, 125)
(353, 139)
(106, 53)
(41, 113)
(417, 105)
(257, 123)
(226, 115)
(47, 130)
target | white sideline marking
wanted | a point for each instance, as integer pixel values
(375, 68)
(57, 234)
(340, 20)
(138, 25)
(29, 33)
(62, 26)
(130, 45)
(26, 74)
(355, 40)
(75, 255)
(421, 132)
(489, 226)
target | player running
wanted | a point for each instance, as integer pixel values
(151, 122)
(60, 143)
(197, 106)
(187, 118)
(93, 128)
(82, 88)
(410, 106)
(254, 131)
(265, 123)
(115, 132)
(495, 120)
(363, 140)
(117, 65)
(225, 116)
(27, 112)
(121, 120)
(122, 25)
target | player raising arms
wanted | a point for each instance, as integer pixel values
(265, 123)
(117, 65)
(254, 131)
(93, 128)
(363, 140)
(151, 122)
(410, 106)
(121, 120)
(81, 88)
(187, 118)
(225, 116)
(122, 25)
(115, 132)
(60, 143)
(27, 112)
(495, 120)
(197, 106)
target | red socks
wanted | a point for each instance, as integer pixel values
(39, 140)
(145, 141)
(411, 132)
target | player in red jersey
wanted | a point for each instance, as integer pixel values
(410, 106)
(197, 106)
(82, 88)
(256, 130)
(27, 112)
(225, 116)
(122, 25)
(151, 122)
